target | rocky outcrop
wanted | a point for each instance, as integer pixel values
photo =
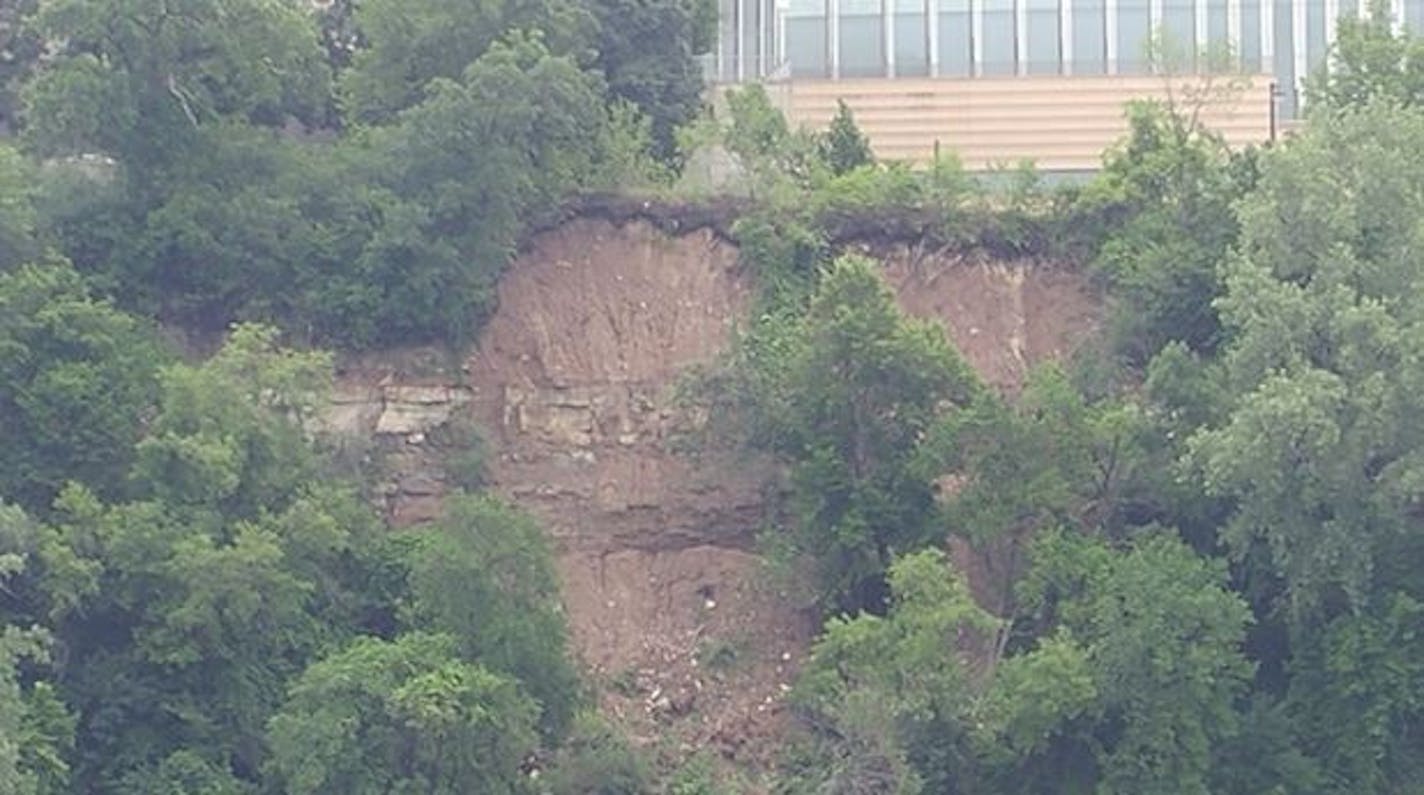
(397, 414)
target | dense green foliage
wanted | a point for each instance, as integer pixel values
(226, 616)
(1194, 553)
(20, 48)
(1187, 561)
(359, 177)
(1131, 683)
(843, 146)
(844, 395)
(75, 377)
(1371, 62)
(1167, 196)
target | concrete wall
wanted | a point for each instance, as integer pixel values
(1061, 123)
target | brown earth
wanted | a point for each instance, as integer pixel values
(670, 607)
(574, 378)
(1003, 316)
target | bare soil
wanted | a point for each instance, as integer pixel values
(574, 378)
(1003, 316)
(671, 609)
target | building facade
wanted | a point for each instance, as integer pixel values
(843, 39)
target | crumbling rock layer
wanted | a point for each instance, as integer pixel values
(574, 374)
(572, 384)
(574, 380)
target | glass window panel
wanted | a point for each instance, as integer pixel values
(806, 46)
(1178, 22)
(1134, 27)
(999, 55)
(1216, 28)
(954, 45)
(1315, 35)
(1043, 40)
(911, 57)
(1250, 45)
(1089, 29)
(750, 53)
(1414, 15)
(1285, 59)
(774, 60)
(862, 45)
(727, 38)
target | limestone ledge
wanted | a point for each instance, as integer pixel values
(392, 409)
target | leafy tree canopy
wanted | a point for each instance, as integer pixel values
(135, 78)
(406, 715)
(409, 43)
(844, 396)
(1369, 61)
(76, 376)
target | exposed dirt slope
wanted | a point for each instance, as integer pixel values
(574, 378)
(1003, 316)
(572, 381)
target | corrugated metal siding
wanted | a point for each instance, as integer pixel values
(1061, 123)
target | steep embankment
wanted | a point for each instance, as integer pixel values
(572, 384)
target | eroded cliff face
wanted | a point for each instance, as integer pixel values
(573, 378)
(572, 383)
(1002, 316)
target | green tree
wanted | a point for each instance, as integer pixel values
(340, 37)
(844, 395)
(1164, 645)
(1163, 205)
(36, 730)
(400, 716)
(19, 221)
(1369, 61)
(484, 575)
(407, 44)
(75, 378)
(136, 78)
(471, 165)
(646, 52)
(1359, 693)
(14, 775)
(897, 690)
(183, 615)
(1317, 447)
(20, 48)
(1130, 688)
(185, 772)
(596, 759)
(228, 434)
(1051, 457)
(233, 232)
(783, 162)
(843, 146)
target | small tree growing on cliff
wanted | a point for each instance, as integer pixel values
(843, 146)
(845, 395)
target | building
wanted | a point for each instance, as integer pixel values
(893, 59)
